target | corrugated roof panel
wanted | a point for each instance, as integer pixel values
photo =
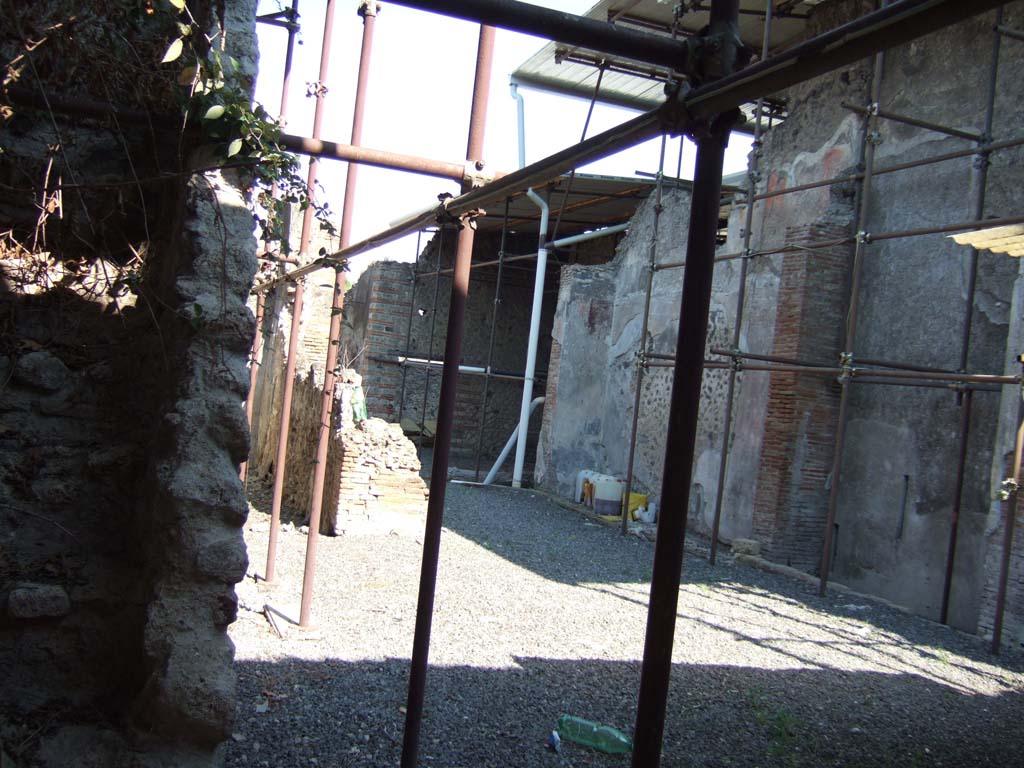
(637, 85)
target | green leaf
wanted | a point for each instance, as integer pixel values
(214, 112)
(234, 147)
(179, 4)
(185, 29)
(173, 51)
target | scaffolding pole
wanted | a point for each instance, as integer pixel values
(979, 183)
(408, 325)
(293, 338)
(368, 12)
(850, 334)
(490, 341)
(290, 23)
(445, 417)
(638, 380)
(730, 392)
(1010, 495)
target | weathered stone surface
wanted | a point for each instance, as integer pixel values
(746, 547)
(42, 370)
(223, 561)
(38, 601)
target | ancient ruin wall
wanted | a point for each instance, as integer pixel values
(122, 375)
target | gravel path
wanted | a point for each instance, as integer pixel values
(540, 611)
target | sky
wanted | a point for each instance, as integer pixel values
(418, 100)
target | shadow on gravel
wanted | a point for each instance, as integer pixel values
(531, 530)
(347, 714)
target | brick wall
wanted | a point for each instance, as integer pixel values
(791, 499)
(377, 317)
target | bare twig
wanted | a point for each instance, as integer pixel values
(44, 518)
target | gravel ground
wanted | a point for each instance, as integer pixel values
(540, 611)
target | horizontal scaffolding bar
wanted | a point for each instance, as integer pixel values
(667, 360)
(899, 22)
(564, 28)
(471, 370)
(1016, 34)
(375, 157)
(983, 149)
(926, 125)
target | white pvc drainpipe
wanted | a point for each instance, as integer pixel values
(538, 301)
(508, 446)
(592, 235)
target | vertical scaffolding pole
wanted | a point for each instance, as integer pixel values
(293, 343)
(408, 326)
(741, 295)
(445, 419)
(679, 448)
(257, 347)
(850, 336)
(641, 358)
(979, 182)
(682, 421)
(433, 322)
(1011, 491)
(490, 342)
(255, 358)
(368, 10)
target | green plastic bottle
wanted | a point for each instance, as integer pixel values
(601, 737)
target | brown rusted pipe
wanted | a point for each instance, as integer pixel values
(368, 10)
(481, 96)
(913, 121)
(257, 347)
(979, 183)
(255, 357)
(282, 436)
(1010, 510)
(293, 344)
(317, 148)
(867, 156)
(443, 433)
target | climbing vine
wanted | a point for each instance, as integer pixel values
(238, 128)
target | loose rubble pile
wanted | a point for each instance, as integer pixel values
(380, 477)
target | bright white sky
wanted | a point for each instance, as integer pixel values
(418, 101)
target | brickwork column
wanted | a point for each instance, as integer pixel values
(791, 500)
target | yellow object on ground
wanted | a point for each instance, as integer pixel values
(636, 500)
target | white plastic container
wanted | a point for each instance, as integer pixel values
(608, 492)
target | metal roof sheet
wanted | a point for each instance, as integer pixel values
(593, 201)
(627, 83)
(1008, 240)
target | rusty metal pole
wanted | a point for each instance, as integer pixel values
(1011, 491)
(255, 357)
(638, 380)
(445, 419)
(293, 343)
(741, 294)
(368, 10)
(490, 342)
(257, 347)
(682, 421)
(979, 183)
(850, 335)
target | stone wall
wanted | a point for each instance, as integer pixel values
(386, 304)
(122, 377)
(899, 466)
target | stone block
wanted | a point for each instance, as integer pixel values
(750, 547)
(38, 601)
(42, 370)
